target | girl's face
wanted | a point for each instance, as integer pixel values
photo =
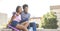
(20, 10)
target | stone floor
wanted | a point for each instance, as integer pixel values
(48, 30)
(31, 30)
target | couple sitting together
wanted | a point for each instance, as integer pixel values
(20, 19)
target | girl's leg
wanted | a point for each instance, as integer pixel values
(26, 24)
(21, 27)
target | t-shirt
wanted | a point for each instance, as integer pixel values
(25, 16)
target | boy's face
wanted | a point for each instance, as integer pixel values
(26, 9)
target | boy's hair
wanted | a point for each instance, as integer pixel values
(18, 8)
(25, 5)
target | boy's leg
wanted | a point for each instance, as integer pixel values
(33, 25)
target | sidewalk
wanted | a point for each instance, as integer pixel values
(48, 29)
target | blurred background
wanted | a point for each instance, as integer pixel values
(42, 12)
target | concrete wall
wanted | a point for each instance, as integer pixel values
(3, 20)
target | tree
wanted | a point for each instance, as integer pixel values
(49, 21)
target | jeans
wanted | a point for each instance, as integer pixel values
(33, 25)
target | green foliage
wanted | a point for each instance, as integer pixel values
(50, 21)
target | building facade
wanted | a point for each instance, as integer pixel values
(56, 10)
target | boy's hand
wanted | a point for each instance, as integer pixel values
(17, 14)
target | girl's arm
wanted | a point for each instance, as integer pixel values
(12, 19)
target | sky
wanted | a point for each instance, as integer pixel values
(37, 8)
